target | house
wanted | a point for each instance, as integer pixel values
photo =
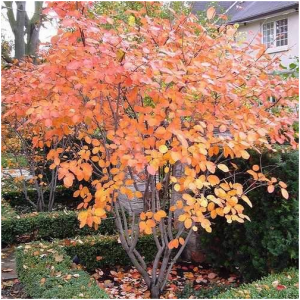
(277, 21)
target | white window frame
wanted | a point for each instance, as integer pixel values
(274, 48)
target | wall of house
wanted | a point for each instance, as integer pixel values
(248, 31)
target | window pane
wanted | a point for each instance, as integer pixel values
(268, 34)
(282, 32)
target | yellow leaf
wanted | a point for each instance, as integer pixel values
(285, 193)
(177, 187)
(131, 20)
(188, 223)
(99, 212)
(246, 199)
(208, 229)
(181, 218)
(245, 154)
(223, 167)
(120, 55)
(163, 149)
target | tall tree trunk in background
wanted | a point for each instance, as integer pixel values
(22, 25)
(33, 27)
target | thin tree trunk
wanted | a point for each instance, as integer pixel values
(19, 30)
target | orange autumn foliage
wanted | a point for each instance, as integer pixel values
(147, 98)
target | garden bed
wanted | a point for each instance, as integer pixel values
(46, 271)
(54, 270)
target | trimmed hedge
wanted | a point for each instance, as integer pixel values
(275, 286)
(46, 225)
(270, 241)
(17, 200)
(46, 269)
(104, 251)
(47, 272)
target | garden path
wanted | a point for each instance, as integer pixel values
(8, 264)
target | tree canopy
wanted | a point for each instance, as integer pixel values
(158, 108)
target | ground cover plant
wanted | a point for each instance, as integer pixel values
(147, 117)
(284, 285)
(48, 272)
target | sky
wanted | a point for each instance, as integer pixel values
(47, 31)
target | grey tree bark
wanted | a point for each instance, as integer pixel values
(22, 25)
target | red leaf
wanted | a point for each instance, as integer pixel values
(280, 287)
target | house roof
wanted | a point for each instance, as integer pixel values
(242, 11)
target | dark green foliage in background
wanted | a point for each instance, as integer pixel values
(270, 241)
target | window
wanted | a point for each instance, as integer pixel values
(275, 34)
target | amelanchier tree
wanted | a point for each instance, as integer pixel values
(161, 108)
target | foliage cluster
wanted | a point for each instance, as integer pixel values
(47, 272)
(270, 241)
(284, 285)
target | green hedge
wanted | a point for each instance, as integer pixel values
(17, 200)
(270, 241)
(275, 286)
(46, 225)
(47, 272)
(43, 267)
(108, 250)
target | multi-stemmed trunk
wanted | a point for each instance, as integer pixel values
(165, 230)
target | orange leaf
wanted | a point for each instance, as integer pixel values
(210, 13)
(282, 184)
(213, 179)
(159, 215)
(188, 223)
(173, 244)
(271, 189)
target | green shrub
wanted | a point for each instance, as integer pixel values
(63, 197)
(46, 269)
(209, 292)
(275, 286)
(7, 211)
(47, 272)
(8, 160)
(270, 241)
(46, 225)
(107, 249)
